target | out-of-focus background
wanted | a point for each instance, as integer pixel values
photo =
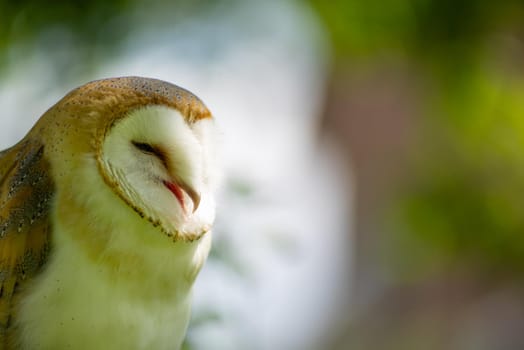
(372, 150)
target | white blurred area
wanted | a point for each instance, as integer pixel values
(281, 267)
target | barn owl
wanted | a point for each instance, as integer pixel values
(106, 207)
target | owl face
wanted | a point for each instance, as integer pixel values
(163, 167)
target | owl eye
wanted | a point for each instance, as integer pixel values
(150, 149)
(145, 147)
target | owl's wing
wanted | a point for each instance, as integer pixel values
(26, 189)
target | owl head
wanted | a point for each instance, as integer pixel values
(147, 143)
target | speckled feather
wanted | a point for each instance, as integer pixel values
(25, 193)
(77, 123)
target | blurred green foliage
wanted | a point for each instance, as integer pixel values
(22, 19)
(79, 35)
(467, 195)
(87, 24)
(412, 26)
(464, 199)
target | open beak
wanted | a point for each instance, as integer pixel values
(178, 190)
(194, 195)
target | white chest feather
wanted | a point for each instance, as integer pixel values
(140, 302)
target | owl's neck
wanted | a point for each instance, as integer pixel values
(126, 247)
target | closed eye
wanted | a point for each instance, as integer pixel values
(145, 147)
(150, 149)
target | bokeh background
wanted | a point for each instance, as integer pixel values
(373, 184)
